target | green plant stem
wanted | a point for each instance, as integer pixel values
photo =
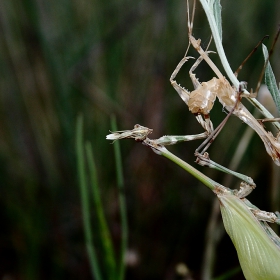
(106, 240)
(95, 269)
(218, 41)
(122, 202)
(270, 80)
(211, 184)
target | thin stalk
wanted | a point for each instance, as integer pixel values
(211, 184)
(218, 41)
(95, 268)
(106, 240)
(122, 202)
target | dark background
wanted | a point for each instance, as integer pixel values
(62, 58)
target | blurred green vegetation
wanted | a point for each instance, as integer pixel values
(61, 58)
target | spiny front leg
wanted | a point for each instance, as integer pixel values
(195, 81)
(196, 44)
(201, 100)
(184, 94)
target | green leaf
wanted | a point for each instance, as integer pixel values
(270, 80)
(217, 11)
(122, 203)
(86, 163)
(81, 168)
(258, 255)
(102, 225)
(213, 12)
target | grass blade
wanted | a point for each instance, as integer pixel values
(216, 33)
(270, 80)
(217, 11)
(95, 269)
(122, 202)
(106, 240)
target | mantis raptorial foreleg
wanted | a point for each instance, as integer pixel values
(183, 93)
(188, 97)
(200, 101)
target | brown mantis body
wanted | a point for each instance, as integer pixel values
(256, 243)
(201, 100)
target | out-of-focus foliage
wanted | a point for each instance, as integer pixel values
(60, 58)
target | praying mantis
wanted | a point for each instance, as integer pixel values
(258, 247)
(201, 100)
